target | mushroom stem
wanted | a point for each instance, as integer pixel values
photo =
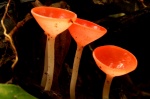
(43, 82)
(50, 62)
(75, 71)
(106, 87)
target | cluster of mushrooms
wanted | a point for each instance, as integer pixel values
(112, 60)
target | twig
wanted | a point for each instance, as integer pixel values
(9, 37)
(19, 24)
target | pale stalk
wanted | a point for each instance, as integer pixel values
(43, 82)
(75, 71)
(50, 62)
(106, 87)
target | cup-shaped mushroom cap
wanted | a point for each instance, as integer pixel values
(53, 20)
(85, 32)
(114, 60)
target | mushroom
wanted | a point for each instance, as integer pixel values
(113, 61)
(53, 21)
(83, 32)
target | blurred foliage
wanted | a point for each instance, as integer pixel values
(10, 91)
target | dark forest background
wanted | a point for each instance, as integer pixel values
(127, 23)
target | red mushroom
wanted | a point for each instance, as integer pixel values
(83, 32)
(53, 21)
(113, 61)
